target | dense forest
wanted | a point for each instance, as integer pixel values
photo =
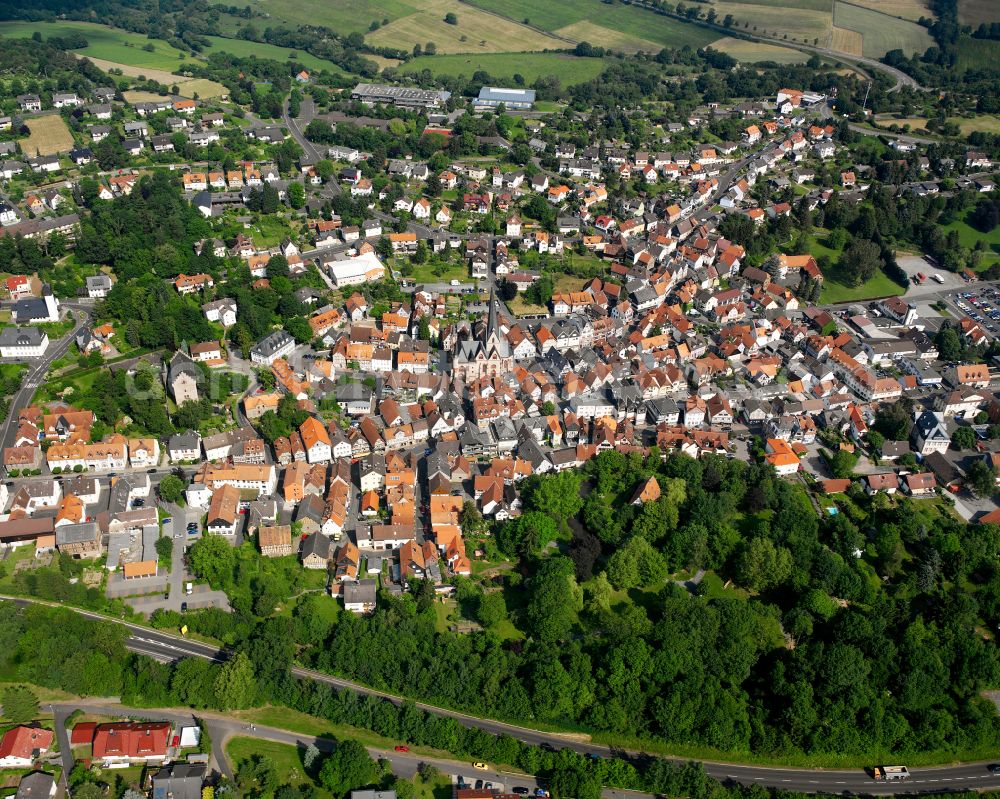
(853, 634)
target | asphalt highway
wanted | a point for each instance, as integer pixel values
(167, 647)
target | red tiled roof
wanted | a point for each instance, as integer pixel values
(25, 741)
(132, 740)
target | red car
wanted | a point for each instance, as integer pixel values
(402, 749)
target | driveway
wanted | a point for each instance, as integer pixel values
(202, 596)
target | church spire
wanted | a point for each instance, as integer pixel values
(492, 328)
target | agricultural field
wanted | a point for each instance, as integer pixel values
(985, 123)
(975, 12)
(907, 9)
(109, 44)
(569, 69)
(976, 53)
(159, 75)
(880, 32)
(586, 31)
(631, 24)
(343, 16)
(244, 49)
(475, 31)
(847, 41)
(825, 6)
(49, 135)
(797, 23)
(753, 52)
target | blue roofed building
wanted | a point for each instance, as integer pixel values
(513, 99)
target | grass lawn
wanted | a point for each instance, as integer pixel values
(110, 44)
(519, 306)
(440, 272)
(878, 286)
(286, 758)
(269, 231)
(569, 69)
(969, 236)
(715, 588)
(244, 49)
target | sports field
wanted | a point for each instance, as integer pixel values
(475, 31)
(244, 49)
(110, 44)
(975, 12)
(567, 68)
(639, 25)
(984, 123)
(49, 135)
(881, 32)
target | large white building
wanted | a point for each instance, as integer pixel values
(273, 346)
(23, 342)
(354, 271)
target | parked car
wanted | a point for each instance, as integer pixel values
(480, 766)
(402, 748)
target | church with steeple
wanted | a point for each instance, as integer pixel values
(486, 355)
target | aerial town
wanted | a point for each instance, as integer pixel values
(534, 420)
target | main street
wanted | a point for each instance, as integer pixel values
(963, 776)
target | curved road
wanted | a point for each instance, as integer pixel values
(962, 776)
(35, 375)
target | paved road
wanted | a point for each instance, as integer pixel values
(35, 375)
(166, 647)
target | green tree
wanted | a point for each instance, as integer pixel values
(171, 489)
(296, 194)
(526, 535)
(949, 343)
(347, 768)
(557, 495)
(554, 599)
(981, 478)
(236, 686)
(963, 438)
(492, 609)
(860, 261)
(636, 564)
(762, 565)
(20, 704)
(212, 558)
(451, 18)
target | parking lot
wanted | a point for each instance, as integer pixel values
(981, 304)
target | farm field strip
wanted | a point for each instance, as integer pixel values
(585, 31)
(881, 33)
(475, 31)
(752, 52)
(569, 69)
